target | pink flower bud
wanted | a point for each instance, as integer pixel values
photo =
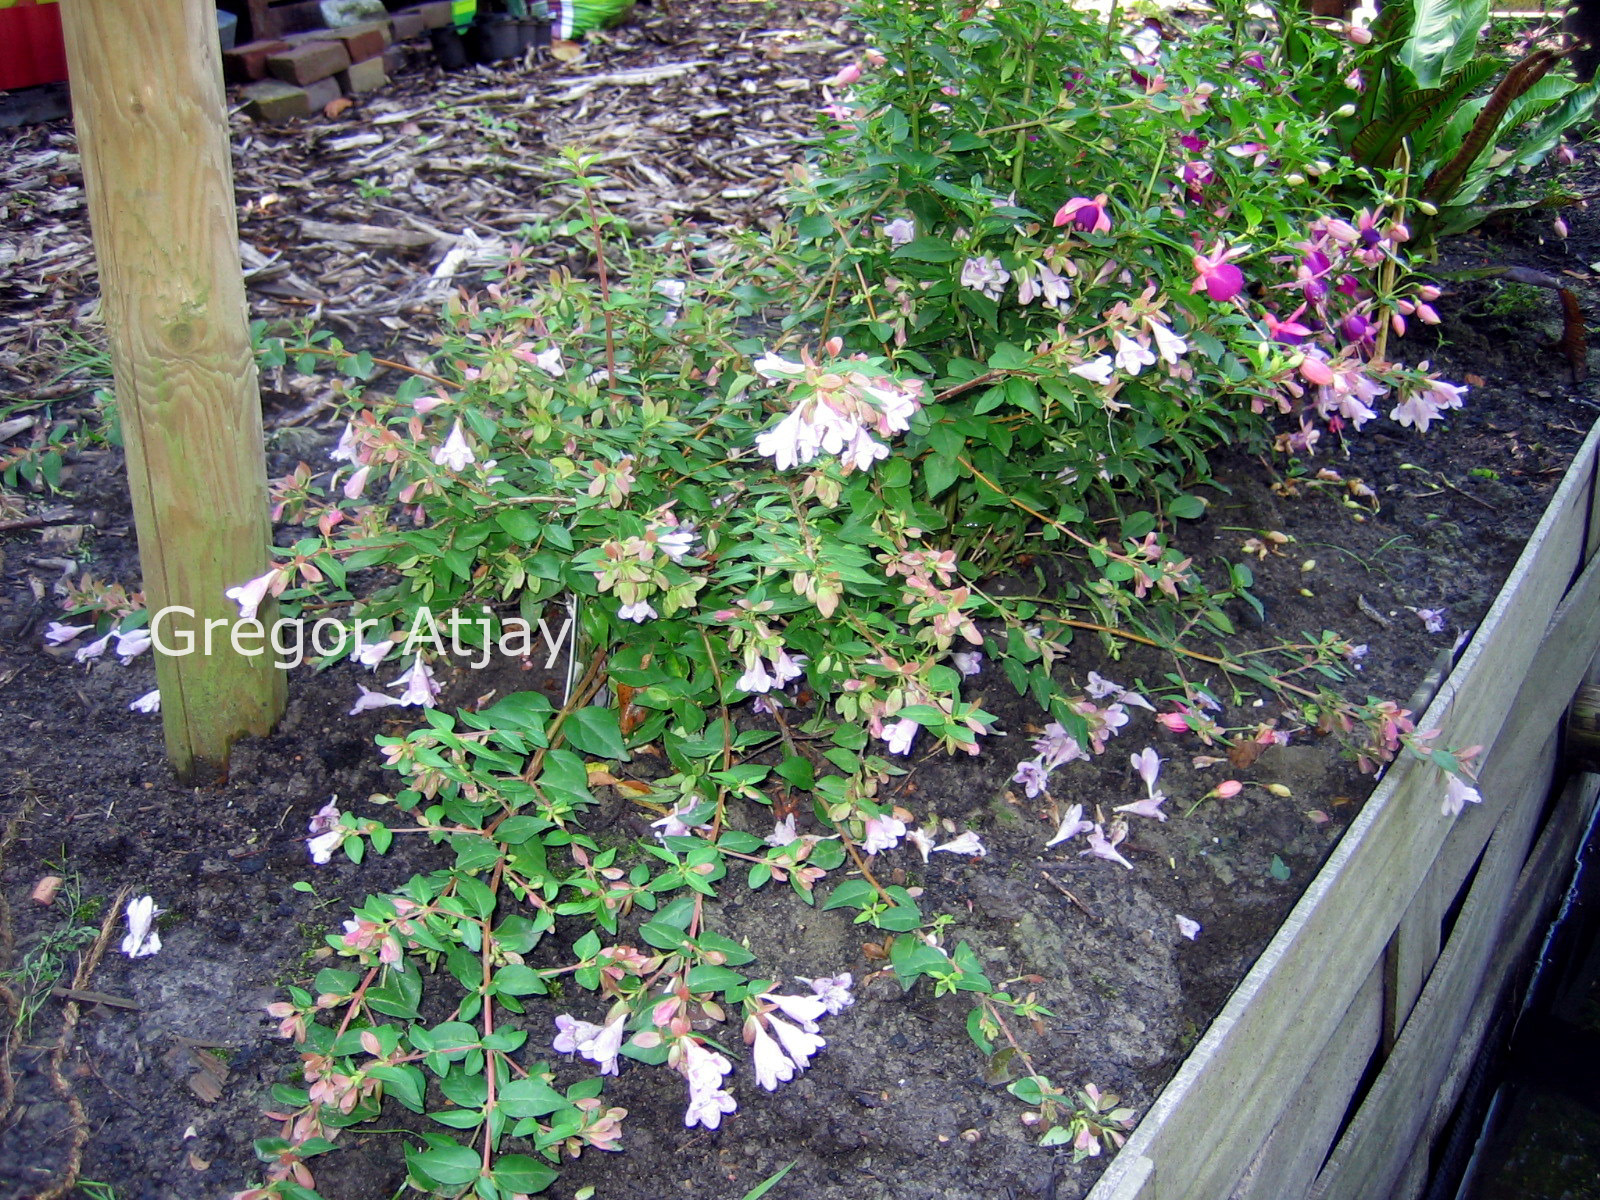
(846, 76)
(1360, 35)
(1228, 789)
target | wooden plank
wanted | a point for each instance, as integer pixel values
(1297, 1147)
(147, 100)
(1377, 1151)
(1256, 1055)
(1410, 955)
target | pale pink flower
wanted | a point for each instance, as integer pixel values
(455, 454)
(603, 1045)
(1097, 370)
(1187, 927)
(1033, 777)
(1433, 619)
(1168, 344)
(806, 1010)
(883, 832)
(797, 1043)
(420, 687)
(1227, 789)
(986, 275)
(370, 654)
(357, 484)
(967, 843)
(846, 75)
(783, 833)
(132, 644)
(921, 841)
(900, 735)
(345, 451)
(968, 662)
(833, 991)
(1071, 826)
(639, 611)
(755, 678)
(248, 596)
(143, 939)
(150, 702)
(1132, 355)
(370, 699)
(57, 634)
(1457, 794)
(1150, 806)
(94, 649)
(550, 361)
(771, 1065)
(703, 1069)
(1148, 763)
(1102, 847)
(900, 231)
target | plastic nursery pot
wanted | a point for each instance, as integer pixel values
(494, 38)
(449, 48)
(534, 32)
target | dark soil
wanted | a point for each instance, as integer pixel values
(900, 1104)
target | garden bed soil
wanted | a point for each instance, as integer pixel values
(161, 1093)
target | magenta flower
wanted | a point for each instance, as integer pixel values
(1090, 216)
(1216, 276)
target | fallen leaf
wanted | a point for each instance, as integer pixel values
(1473, 380)
(565, 51)
(336, 108)
(198, 1163)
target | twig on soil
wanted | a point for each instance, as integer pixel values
(1087, 911)
(58, 1052)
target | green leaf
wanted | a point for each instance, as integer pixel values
(710, 978)
(1443, 38)
(852, 893)
(524, 711)
(451, 1165)
(1186, 507)
(1279, 868)
(595, 731)
(663, 936)
(1056, 1135)
(529, 1098)
(927, 249)
(514, 979)
(767, 1184)
(523, 1173)
(797, 772)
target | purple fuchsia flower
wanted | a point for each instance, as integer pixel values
(1216, 276)
(1089, 216)
(1289, 332)
(985, 275)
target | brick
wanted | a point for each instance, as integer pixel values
(407, 24)
(274, 100)
(308, 62)
(435, 15)
(248, 62)
(362, 42)
(364, 76)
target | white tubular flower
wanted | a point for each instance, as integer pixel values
(248, 596)
(56, 634)
(805, 1010)
(455, 454)
(142, 940)
(550, 361)
(1097, 370)
(797, 1043)
(900, 735)
(150, 702)
(771, 1064)
(420, 687)
(967, 843)
(1132, 355)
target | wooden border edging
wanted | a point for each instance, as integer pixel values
(1283, 1020)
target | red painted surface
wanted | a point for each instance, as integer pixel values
(31, 49)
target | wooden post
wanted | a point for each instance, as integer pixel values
(147, 99)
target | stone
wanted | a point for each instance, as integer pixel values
(308, 62)
(362, 42)
(395, 61)
(337, 13)
(274, 100)
(247, 63)
(407, 24)
(435, 15)
(364, 76)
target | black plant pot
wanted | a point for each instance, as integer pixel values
(449, 48)
(492, 39)
(535, 33)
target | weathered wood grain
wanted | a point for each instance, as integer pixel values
(148, 104)
(1257, 1054)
